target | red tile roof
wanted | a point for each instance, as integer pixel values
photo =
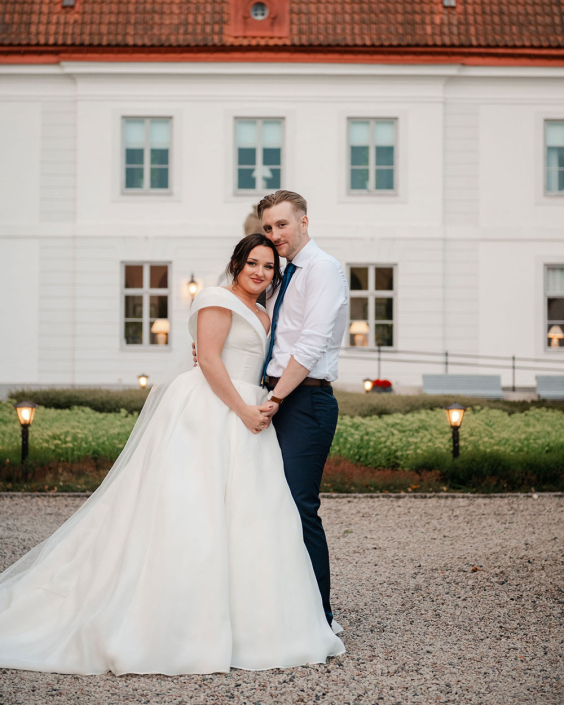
(313, 23)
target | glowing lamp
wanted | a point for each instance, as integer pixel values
(25, 411)
(368, 384)
(555, 334)
(192, 286)
(143, 379)
(161, 328)
(360, 330)
(455, 414)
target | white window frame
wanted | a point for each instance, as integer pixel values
(146, 292)
(372, 190)
(257, 191)
(372, 294)
(546, 346)
(547, 193)
(146, 190)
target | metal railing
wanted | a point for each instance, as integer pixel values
(446, 359)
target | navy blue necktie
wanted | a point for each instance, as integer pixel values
(288, 273)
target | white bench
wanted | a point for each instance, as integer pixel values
(485, 386)
(550, 386)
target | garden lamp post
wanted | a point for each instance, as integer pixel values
(455, 414)
(26, 412)
(192, 287)
(368, 384)
(143, 379)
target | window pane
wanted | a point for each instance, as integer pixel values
(359, 133)
(160, 133)
(159, 156)
(555, 310)
(555, 133)
(159, 276)
(133, 307)
(358, 334)
(135, 133)
(385, 179)
(133, 333)
(359, 308)
(247, 156)
(134, 276)
(359, 156)
(555, 280)
(246, 179)
(555, 336)
(384, 309)
(552, 180)
(359, 279)
(384, 334)
(359, 179)
(159, 177)
(385, 132)
(134, 177)
(272, 133)
(133, 157)
(271, 178)
(271, 157)
(158, 307)
(384, 156)
(555, 157)
(246, 133)
(384, 278)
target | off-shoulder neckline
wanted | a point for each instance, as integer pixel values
(266, 332)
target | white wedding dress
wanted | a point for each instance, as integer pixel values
(191, 560)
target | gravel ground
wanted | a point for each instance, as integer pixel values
(421, 626)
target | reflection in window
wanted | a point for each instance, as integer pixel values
(259, 154)
(554, 294)
(146, 304)
(372, 155)
(146, 143)
(372, 305)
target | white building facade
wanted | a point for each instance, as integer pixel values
(439, 188)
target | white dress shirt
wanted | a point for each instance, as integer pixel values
(312, 317)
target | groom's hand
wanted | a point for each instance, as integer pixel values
(269, 408)
(195, 357)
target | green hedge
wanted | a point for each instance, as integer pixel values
(104, 400)
(373, 404)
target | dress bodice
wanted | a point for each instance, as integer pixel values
(245, 347)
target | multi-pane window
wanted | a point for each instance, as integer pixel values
(372, 305)
(146, 154)
(146, 304)
(554, 294)
(259, 155)
(554, 137)
(372, 155)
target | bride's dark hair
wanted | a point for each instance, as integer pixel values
(241, 254)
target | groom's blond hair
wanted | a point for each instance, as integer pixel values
(274, 199)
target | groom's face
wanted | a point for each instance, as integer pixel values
(286, 228)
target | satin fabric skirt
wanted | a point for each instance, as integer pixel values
(193, 560)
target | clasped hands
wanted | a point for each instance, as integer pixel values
(255, 418)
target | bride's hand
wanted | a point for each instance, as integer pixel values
(254, 419)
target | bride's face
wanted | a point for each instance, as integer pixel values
(258, 271)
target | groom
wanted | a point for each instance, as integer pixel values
(308, 317)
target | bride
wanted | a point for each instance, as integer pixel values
(189, 557)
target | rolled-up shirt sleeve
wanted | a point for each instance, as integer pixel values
(325, 295)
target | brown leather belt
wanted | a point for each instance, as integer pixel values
(308, 382)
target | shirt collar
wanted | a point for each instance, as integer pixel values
(305, 254)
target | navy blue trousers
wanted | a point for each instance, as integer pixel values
(305, 425)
